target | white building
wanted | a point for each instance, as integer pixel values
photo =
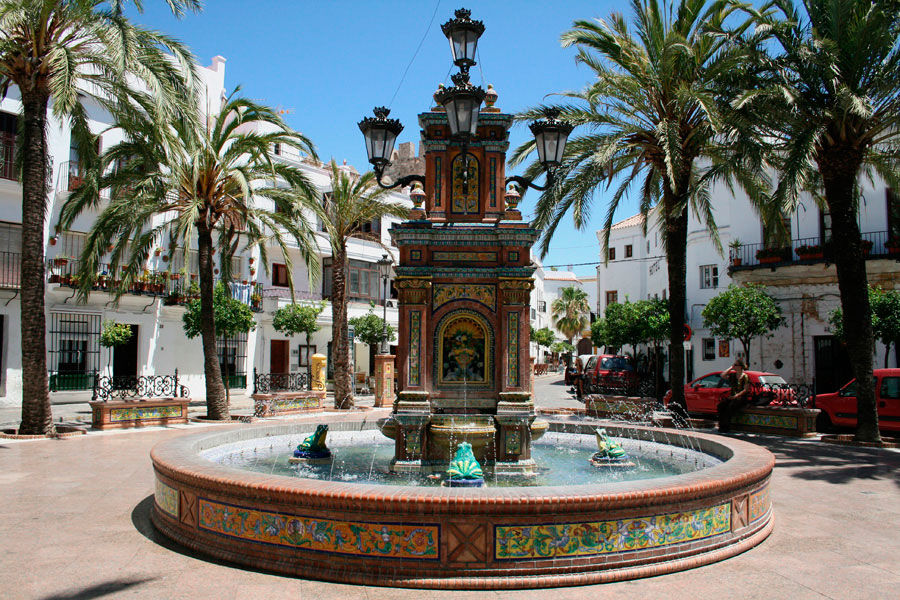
(554, 282)
(803, 349)
(159, 345)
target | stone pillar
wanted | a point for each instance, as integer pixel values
(384, 380)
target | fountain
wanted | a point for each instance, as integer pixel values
(551, 512)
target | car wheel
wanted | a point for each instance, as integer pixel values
(823, 423)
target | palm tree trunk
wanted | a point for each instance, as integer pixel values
(849, 260)
(36, 414)
(340, 353)
(676, 257)
(216, 402)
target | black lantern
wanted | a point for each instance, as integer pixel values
(463, 105)
(380, 133)
(463, 34)
(550, 138)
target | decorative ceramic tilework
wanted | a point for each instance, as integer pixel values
(465, 357)
(413, 443)
(513, 441)
(415, 255)
(757, 420)
(295, 403)
(493, 176)
(759, 503)
(437, 181)
(380, 540)
(448, 292)
(415, 340)
(513, 256)
(166, 498)
(465, 256)
(567, 540)
(465, 185)
(512, 350)
(117, 415)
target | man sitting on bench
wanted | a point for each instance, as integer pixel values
(739, 397)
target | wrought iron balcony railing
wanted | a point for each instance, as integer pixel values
(876, 244)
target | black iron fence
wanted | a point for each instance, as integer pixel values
(805, 250)
(70, 381)
(267, 383)
(10, 270)
(126, 387)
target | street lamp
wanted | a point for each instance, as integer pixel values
(462, 102)
(384, 266)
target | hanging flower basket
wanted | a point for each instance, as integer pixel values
(61, 261)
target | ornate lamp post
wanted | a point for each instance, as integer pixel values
(462, 102)
(384, 266)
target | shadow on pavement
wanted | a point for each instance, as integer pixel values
(818, 461)
(99, 590)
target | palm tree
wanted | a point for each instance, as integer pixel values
(55, 51)
(830, 96)
(193, 179)
(353, 202)
(569, 312)
(657, 117)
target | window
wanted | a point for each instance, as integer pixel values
(611, 254)
(305, 353)
(890, 388)
(232, 353)
(8, 130)
(279, 275)
(775, 237)
(824, 226)
(709, 348)
(612, 297)
(542, 306)
(893, 213)
(369, 229)
(533, 314)
(76, 169)
(709, 277)
(73, 351)
(363, 281)
(276, 149)
(628, 251)
(710, 381)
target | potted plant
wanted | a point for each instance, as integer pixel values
(61, 260)
(252, 260)
(810, 252)
(735, 252)
(867, 247)
(255, 299)
(893, 245)
(172, 298)
(157, 251)
(193, 277)
(770, 255)
(53, 239)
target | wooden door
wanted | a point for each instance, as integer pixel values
(278, 356)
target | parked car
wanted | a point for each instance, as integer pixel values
(703, 394)
(839, 408)
(610, 373)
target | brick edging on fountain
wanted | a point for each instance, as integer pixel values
(463, 538)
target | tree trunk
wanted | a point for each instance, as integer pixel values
(36, 413)
(216, 401)
(676, 224)
(340, 353)
(839, 176)
(746, 345)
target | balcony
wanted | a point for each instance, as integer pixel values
(174, 288)
(811, 251)
(10, 270)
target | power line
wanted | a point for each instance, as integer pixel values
(600, 262)
(416, 53)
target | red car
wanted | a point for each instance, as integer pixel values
(839, 408)
(703, 394)
(610, 373)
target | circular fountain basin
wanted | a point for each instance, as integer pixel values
(485, 538)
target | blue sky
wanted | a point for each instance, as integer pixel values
(328, 63)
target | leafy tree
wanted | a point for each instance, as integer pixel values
(230, 317)
(353, 201)
(570, 312)
(298, 318)
(114, 334)
(370, 328)
(187, 181)
(828, 100)
(885, 320)
(658, 116)
(742, 313)
(543, 337)
(55, 52)
(624, 324)
(562, 348)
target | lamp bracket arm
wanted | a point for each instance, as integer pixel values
(401, 183)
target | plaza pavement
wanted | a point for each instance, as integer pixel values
(74, 523)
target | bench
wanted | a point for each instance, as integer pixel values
(779, 420)
(138, 401)
(288, 403)
(604, 406)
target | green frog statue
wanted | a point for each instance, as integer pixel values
(464, 470)
(313, 449)
(609, 452)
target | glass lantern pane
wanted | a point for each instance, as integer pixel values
(450, 107)
(464, 114)
(471, 43)
(476, 109)
(550, 141)
(561, 146)
(539, 143)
